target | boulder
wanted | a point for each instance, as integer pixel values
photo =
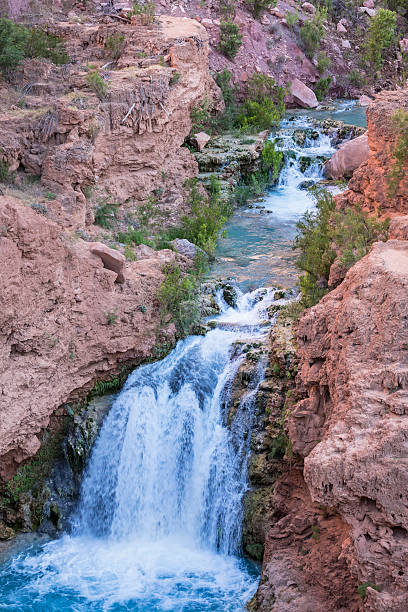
(341, 29)
(364, 100)
(186, 248)
(112, 260)
(142, 251)
(369, 4)
(201, 139)
(350, 155)
(303, 95)
(369, 11)
(346, 44)
(309, 8)
(399, 228)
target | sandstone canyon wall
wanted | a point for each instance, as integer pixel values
(336, 527)
(72, 309)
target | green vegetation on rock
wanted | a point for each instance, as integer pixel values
(18, 42)
(400, 153)
(327, 234)
(259, 6)
(380, 36)
(230, 39)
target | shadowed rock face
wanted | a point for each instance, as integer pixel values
(64, 323)
(352, 427)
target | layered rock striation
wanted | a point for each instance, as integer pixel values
(113, 128)
(371, 185)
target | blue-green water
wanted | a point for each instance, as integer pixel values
(258, 248)
(171, 558)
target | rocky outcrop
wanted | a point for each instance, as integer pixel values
(299, 540)
(349, 157)
(352, 427)
(119, 142)
(370, 185)
(64, 321)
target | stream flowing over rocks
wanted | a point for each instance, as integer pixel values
(180, 478)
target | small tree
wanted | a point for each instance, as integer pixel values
(259, 6)
(264, 106)
(380, 36)
(96, 83)
(230, 39)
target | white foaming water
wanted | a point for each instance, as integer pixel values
(288, 200)
(158, 525)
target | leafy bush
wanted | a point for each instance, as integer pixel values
(400, 153)
(312, 32)
(380, 36)
(174, 78)
(310, 36)
(356, 78)
(325, 234)
(96, 83)
(178, 297)
(201, 116)
(145, 10)
(362, 588)
(18, 42)
(208, 215)
(42, 44)
(264, 106)
(115, 44)
(259, 6)
(322, 87)
(323, 62)
(106, 214)
(5, 175)
(230, 39)
(292, 18)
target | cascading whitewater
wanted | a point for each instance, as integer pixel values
(158, 525)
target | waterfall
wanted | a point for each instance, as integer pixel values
(158, 525)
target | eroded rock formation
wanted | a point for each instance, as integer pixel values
(64, 321)
(370, 185)
(121, 143)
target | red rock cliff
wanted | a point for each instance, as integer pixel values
(369, 186)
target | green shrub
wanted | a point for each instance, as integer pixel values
(322, 87)
(230, 39)
(42, 44)
(106, 214)
(362, 588)
(115, 44)
(5, 175)
(201, 116)
(18, 42)
(259, 6)
(145, 10)
(264, 106)
(178, 297)
(133, 237)
(208, 215)
(292, 19)
(400, 153)
(96, 83)
(323, 62)
(324, 234)
(380, 36)
(356, 78)
(174, 78)
(312, 32)
(272, 160)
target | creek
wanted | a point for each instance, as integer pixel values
(158, 525)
